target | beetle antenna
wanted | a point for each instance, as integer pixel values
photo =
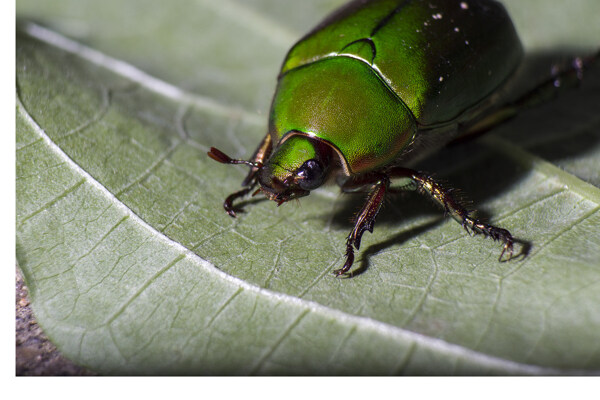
(221, 157)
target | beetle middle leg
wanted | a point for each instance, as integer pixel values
(444, 197)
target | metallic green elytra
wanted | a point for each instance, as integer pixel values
(373, 88)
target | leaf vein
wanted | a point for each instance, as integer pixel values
(269, 351)
(141, 289)
(224, 306)
(52, 202)
(149, 170)
(426, 290)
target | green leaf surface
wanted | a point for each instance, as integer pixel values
(134, 268)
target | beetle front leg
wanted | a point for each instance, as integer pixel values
(228, 203)
(256, 162)
(445, 199)
(365, 220)
(262, 152)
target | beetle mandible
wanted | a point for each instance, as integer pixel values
(377, 86)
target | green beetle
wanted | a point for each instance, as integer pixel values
(376, 86)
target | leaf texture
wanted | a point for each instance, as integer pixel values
(134, 268)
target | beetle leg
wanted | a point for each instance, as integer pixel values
(451, 206)
(256, 162)
(365, 220)
(562, 77)
(262, 152)
(228, 203)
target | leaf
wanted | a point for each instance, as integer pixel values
(133, 267)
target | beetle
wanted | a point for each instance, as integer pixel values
(377, 86)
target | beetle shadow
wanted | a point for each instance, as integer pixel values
(546, 130)
(243, 206)
(473, 189)
(394, 240)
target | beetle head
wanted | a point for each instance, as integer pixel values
(297, 165)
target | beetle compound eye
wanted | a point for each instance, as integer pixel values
(310, 175)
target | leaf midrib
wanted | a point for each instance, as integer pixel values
(136, 75)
